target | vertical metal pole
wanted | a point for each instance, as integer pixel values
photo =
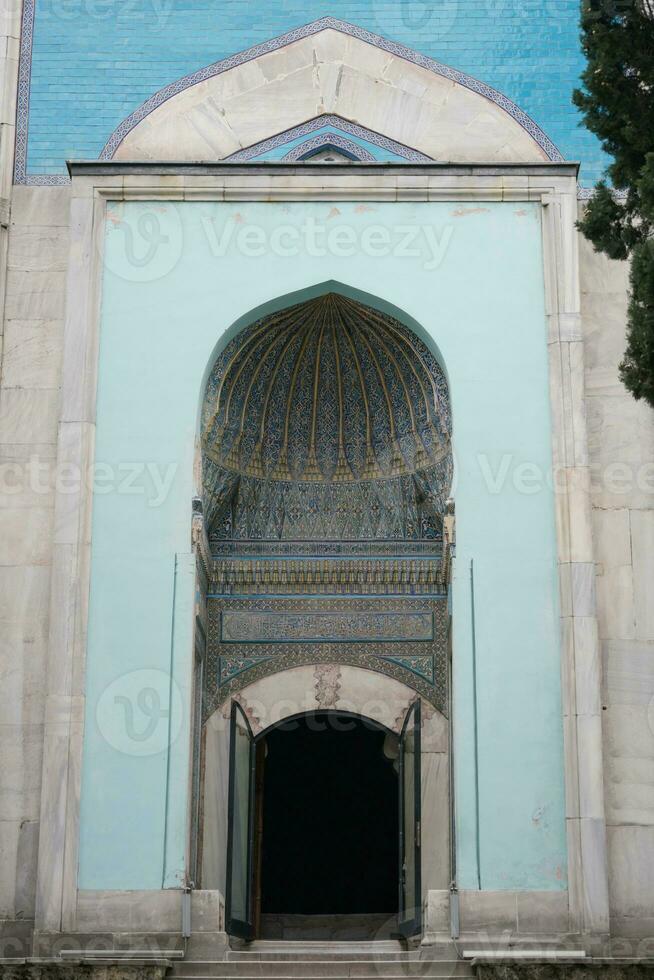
(186, 912)
(171, 667)
(454, 891)
(475, 721)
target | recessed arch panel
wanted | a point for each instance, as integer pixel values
(326, 466)
(231, 105)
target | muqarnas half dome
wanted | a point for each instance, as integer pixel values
(329, 393)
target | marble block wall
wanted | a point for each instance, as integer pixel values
(29, 399)
(621, 442)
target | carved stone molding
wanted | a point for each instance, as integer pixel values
(397, 576)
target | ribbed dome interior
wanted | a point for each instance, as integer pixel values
(329, 390)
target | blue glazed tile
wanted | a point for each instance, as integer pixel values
(90, 71)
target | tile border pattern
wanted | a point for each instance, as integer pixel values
(217, 68)
(327, 141)
(337, 122)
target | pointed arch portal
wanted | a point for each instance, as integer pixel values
(326, 466)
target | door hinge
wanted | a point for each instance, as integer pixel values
(418, 833)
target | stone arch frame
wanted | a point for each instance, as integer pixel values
(359, 693)
(336, 122)
(329, 141)
(325, 23)
(540, 138)
(296, 691)
(345, 684)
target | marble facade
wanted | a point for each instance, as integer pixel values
(603, 443)
(80, 398)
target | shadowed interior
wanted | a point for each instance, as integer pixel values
(330, 818)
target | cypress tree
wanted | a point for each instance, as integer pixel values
(617, 103)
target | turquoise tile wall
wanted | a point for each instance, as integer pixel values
(95, 61)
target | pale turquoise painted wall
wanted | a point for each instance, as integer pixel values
(163, 319)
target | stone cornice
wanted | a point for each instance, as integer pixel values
(155, 168)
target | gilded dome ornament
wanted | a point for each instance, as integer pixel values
(329, 411)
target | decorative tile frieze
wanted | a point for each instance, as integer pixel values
(402, 637)
(336, 122)
(321, 144)
(341, 626)
(393, 576)
(429, 549)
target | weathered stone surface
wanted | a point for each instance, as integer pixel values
(543, 913)
(632, 894)
(44, 206)
(26, 858)
(15, 938)
(32, 969)
(35, 295)
(129, 911)
(489, 911)
(35, 248)
(642, 537)
(32, 354)
(615, 573)
(621, 440)
(595, 970)
(28, 416)
(24, 593)
(629, 737)
(25, 535)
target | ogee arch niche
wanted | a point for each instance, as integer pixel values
(326, 468)
(328, 420)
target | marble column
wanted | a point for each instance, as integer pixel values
(580, 651)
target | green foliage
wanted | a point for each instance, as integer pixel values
(637, 368)
(617, 103)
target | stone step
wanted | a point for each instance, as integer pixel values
(435, 974)
(319, 956)
(311, 969)
(329, 947)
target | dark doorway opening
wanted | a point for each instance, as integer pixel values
(328, 818)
